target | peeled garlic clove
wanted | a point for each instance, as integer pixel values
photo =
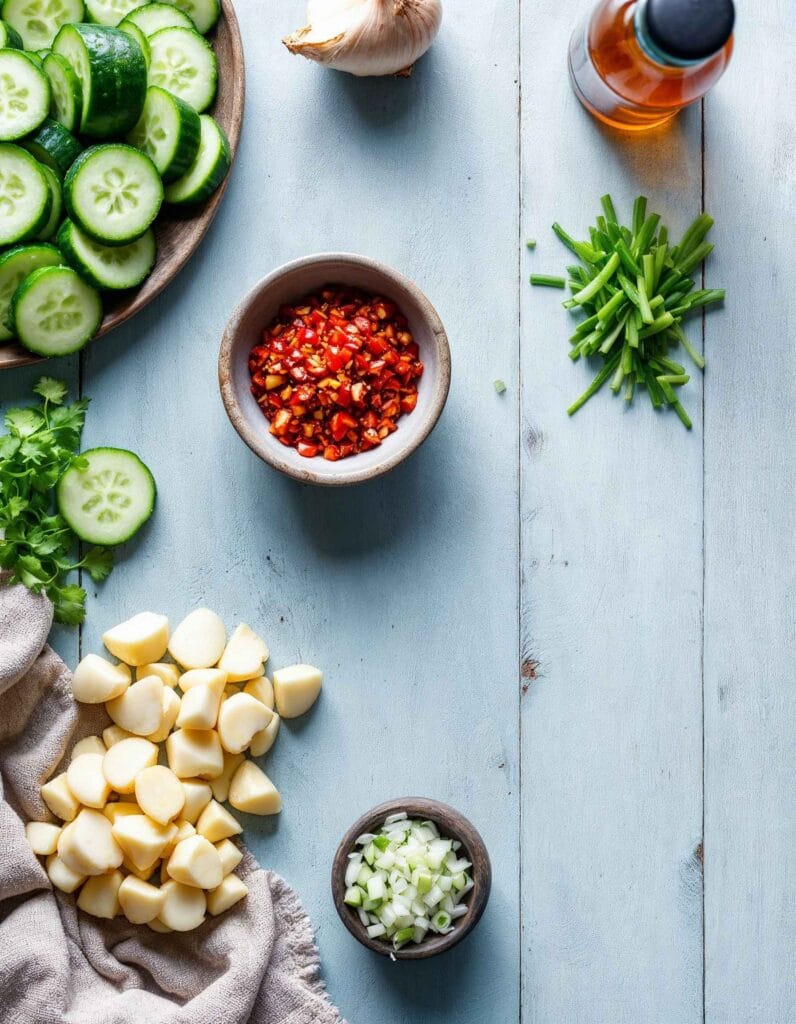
(244, 655)
(230, 855)
(220, 786)
(263, 741)
(61, 876)
(199, 640)
(195, 753)
(184, 907)
(113, 735)
(196, 862)
(87, 781)
(60, 798)
(139, 708)
(199, 707)
(261, 689)
(142, 839)
(240, 719)
(125, 760)
(367, 37)
(159, 793)
(216, 823)
(87, 844)
(96, 680)
(169, 675)
(139, 640)
(140, 901)
(198, 795)
(168, 716)
(296, 689)
(89, 745)
(119, 810)
(253, 792)
(203, 677)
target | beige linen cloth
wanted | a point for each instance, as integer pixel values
(256, 964)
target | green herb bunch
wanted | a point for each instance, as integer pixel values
(36, 544)
(635, 290)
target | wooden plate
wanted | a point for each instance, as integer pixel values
(177, 237)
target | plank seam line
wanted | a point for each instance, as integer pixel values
(702, 652)
(519, 510)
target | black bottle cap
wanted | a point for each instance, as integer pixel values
(690, 29)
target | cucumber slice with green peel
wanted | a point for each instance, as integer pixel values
(203, 13)
(15, 265)
(183, 62)
(110, 499)
(151, 18)
(38, 21)
(208, 170)
(133, 30)
(54, 313)
(110, 12)
(57, 210)
(66, 103)
(112, 72)
(54, 146)
(113, 193)
(10, 39)
(25, 199)
(24, 95)
(168, 133)
(103, 266)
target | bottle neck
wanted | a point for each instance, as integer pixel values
(648, 45)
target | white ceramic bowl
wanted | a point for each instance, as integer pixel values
(289, 283)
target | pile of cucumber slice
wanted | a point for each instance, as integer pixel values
(102, 120)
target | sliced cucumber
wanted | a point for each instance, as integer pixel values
(112, 72)
(54, 146)
(25, 200)
(38, 21)
(116, 267)
(133, 30)
(57, 209)
(10, 39)
(203, 13)
(24, 95)
(184, 64)
(54, 313)
(15, 265)
(168, 133)
(111, 12)
(66, 104)
(113, 193)
(208, 170)
(109, 500)
(151, 18)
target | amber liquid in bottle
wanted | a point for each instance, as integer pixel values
(621, 78)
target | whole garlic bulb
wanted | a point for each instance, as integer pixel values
(367, 37)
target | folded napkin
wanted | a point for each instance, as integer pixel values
(255, 964)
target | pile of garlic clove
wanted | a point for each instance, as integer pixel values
(149, 840)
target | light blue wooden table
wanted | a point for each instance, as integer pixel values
(580, 632)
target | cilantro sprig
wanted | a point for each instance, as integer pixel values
(36, 544)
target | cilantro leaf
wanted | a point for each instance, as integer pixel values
(54, 391)
(69, 602)
(24, 422)
(98, 563)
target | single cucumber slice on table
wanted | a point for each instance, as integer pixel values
(38, 21)
(112, 72)
(57, 209)
(184, 63)
(109, 500)
(25, 199)
(10, 39)
(15, 265)
(203, 13)
(133, 30)
(66, 104)
(113, 193)
(151, 18)
(54, 146)
(168, 132)
(111, 12)
(24, 95)
(54, 313)
(107, 266)
(208, 170)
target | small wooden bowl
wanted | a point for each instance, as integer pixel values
(451, 825)
(290, 282)
(178, 236)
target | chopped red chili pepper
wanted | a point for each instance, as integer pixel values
(334, 373)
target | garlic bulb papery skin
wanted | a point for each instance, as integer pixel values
(367, 37)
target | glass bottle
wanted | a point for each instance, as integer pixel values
(635, 64)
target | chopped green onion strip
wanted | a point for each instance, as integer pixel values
(416, 883)
(597, 283)
(548, 281)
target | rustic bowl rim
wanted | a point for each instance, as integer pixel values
(458, 827)
(342, 475)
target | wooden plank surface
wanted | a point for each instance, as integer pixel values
(750, 535)
(612, 587)
(443, 661)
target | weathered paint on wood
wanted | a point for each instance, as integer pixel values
(407, 591)
(750, 534)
